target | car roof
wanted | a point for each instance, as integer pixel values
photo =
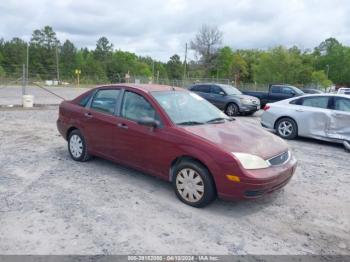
(144, 87)
(311, 95)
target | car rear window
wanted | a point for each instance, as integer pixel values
(83, 102)
(201, 88)
(275, 89)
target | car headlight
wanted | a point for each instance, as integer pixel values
(246, 101)
(249, 161)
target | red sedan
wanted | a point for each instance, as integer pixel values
(178, 136)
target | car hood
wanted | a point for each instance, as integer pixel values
(237, 136)
(252, 98)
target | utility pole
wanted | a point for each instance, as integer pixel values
(58, 71)
(185, 63)
(152, 70)
(327, 70)
(24, 80)
(27, 68)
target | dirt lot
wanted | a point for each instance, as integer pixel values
(50, 204)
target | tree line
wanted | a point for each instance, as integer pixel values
(323, 65)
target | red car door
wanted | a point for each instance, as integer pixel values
(141, 146)
(100, 121)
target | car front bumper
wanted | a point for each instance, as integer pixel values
(245, 108)
(259, 183)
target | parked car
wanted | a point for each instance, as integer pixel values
(312, 91)
(275, 93)
(344, 90)
(177, 136)
(323, 116)
(227, 98)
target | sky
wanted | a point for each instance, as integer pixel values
(161, 28)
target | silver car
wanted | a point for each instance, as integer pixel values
(320, 116)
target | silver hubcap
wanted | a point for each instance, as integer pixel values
(190, 185)
(285, 128)
(76, 146)
(231, 110)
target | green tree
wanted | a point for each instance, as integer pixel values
(333, 57)
(224, 62)
(103, 49)
(14, 54)
(68, 60)
(174, 67)
(319, 78)
(239, 68)
(44, 47)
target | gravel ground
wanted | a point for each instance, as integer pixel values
(12, 95)
(50, 204)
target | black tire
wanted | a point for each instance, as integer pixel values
(289, 125)
(74, 137)
(205, 181)
(231, 109)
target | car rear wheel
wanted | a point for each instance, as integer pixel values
(77, 146)
(193, 184)
(231, 109)
(287, 128)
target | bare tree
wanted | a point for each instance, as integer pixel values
(206, 43)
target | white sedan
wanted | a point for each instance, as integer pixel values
(322, 116)
(343, 91)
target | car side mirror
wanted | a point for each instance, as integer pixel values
(293, 93)
(148, 121)
(222, 93)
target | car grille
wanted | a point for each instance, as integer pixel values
(280, 159)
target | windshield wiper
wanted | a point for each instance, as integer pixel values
(218, 119)
(190, 123)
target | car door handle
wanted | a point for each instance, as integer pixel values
(122, 125)
(88, 114)
(299, 110)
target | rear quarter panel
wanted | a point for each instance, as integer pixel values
(70, 115)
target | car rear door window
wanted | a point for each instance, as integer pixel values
(105, 100)
(135, 107)
(201, 88)
(342, 104)
(319, 101)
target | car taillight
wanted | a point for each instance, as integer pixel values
(266, 107)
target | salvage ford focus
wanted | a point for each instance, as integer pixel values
(178, 136)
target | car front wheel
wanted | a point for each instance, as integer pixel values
(287, 128)
(77, 146)
(193, 184)
(231, 109)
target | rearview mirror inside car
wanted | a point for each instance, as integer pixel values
(148, 121)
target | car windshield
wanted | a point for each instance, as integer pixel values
(187, 108)
(297, 90)
(230, 90)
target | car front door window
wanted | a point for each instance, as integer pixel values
(135, 107)
(342, 104)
